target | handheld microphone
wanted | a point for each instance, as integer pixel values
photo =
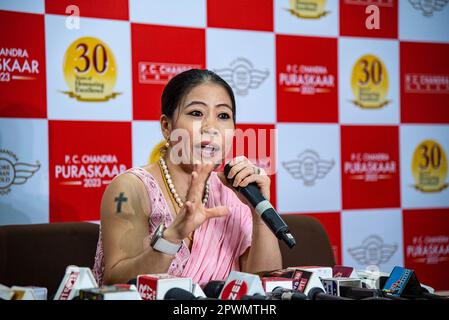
(75, 279)
(154, 286)
(213, 288)
(254, 297)
(405, 284)
(266, 211)
(197, 291)
(240, 284)
(287, 294)
(181, 294)
(402, 283)
(178, 294)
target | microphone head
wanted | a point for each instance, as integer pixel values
(226, 169)
(288, 294)
(132, 281)
(213, 288)
(252, 193)
(278, 289)
(178, 294)
(288, 239)
(255, 297)
(382, 281)
(313, 292)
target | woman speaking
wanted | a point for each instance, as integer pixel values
(178, 215)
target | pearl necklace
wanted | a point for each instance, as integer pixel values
(171, 186)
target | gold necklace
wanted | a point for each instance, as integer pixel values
(170, 185)
(190, 236)
(168, 189)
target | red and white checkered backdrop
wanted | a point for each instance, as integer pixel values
(360, 111)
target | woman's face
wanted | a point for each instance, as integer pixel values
(203, 125)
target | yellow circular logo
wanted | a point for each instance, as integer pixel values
(311, 9)
(429, 167)
(90, 70)
(369, 82)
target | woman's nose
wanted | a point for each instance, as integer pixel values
(209, 128)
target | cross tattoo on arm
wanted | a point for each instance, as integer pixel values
(121, 198)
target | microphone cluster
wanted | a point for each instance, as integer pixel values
(293, 283)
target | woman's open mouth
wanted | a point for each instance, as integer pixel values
(208, 149)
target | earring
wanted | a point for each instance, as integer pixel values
(167, 144)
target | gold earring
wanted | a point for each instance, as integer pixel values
(167, 144)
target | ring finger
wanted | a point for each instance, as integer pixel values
(245, 172)
(236, 168)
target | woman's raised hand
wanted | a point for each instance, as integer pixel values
(244, 172)
(194, 213)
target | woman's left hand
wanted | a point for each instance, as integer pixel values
(245, 172)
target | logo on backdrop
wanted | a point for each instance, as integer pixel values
(242, 76)
(161, 73)
(90, 70)
(17, 64)
(308, 167)
(306, 80)
(426, 83)
(308, 9)
(88, 170)
(428, 7)
(370, 167)
(369, 83)
(373, 251)
(429, 167)
(428, 249)
(13, 172)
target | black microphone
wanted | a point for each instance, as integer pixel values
(360, 293)
(181, 294)
(266, 211)
(432, 296)
(366, 294)
(287, 294)
(178, 294)
(404, 283)
(254, 297)
(213, 288)
(382, 281)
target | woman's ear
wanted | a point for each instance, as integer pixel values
(165, 126)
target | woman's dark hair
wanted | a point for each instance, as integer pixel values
(180, 85)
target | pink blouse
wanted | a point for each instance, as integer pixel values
(217, 243)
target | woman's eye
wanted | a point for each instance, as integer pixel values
(196, 113)
(224, 116)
